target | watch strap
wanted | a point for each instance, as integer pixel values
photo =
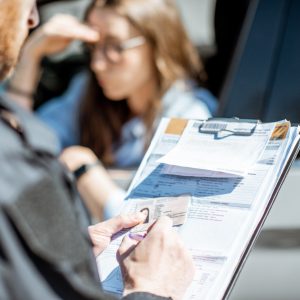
(85, 168)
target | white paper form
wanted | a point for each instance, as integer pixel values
(216, 226)
(209, 234)
(216, 233)
(208, 268)
(228, 154)
(191, 172)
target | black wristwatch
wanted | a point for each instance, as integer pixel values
(84, 168)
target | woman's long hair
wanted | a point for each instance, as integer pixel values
(174, 56)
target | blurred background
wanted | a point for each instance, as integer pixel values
(250, 50)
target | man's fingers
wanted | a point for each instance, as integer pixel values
(162, 225)
(123, 221)
(126, 247)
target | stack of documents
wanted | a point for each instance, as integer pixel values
(217, 181)
(225, 151)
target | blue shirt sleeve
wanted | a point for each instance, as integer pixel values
(208, 99)
(62, 114)
(184, 100)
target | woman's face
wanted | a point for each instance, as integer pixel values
(132, 69)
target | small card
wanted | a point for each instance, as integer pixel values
(174, 207)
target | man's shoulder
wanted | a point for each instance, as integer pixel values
(24, 142)
(29, 131)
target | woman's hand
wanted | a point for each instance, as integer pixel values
(102, 233)
(51, 38)
(56, 35)
(95, 186)
(75, 156)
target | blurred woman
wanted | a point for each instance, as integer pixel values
(142, 67)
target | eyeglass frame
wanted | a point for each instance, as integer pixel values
(120, 47)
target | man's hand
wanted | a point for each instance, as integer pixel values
(159, 264)
(101, 233)
(51, 38)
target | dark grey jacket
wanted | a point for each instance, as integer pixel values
(45, 251)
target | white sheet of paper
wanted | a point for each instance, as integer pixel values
(191, 172)
(229, 154)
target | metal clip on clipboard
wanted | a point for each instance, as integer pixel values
(233, 126)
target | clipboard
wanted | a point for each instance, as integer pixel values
(270, 201)
(172, 129)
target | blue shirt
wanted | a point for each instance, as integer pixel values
(182, 100)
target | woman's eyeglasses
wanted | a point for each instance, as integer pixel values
(112, 51)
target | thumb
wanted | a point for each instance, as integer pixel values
(120, 222)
